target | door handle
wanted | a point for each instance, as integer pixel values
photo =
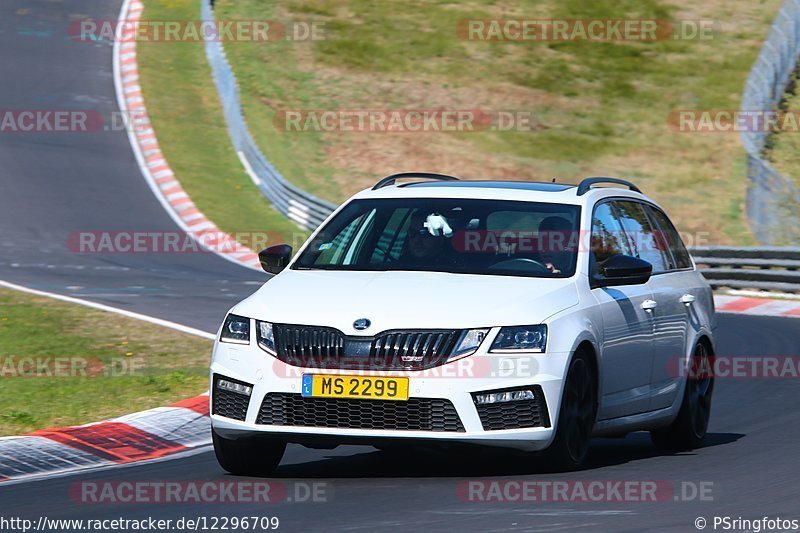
(649, 305)
(687, 299)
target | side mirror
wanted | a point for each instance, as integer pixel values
(623, 270)
(275, 258)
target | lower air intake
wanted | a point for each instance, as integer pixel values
(416, 414)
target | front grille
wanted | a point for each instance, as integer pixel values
(323, 347)
(414, 350)
(515, 415)
(307, 342)
(416, 414)
(227, 403)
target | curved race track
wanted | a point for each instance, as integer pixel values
(53, 184)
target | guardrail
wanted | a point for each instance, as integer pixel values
(761, 268)
(304, 208)
(773, 200)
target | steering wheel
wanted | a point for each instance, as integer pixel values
(521, 263)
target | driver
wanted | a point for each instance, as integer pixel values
(554, 238)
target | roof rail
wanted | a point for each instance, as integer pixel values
(587, 183)
(389, 180)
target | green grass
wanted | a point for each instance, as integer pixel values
(187, 116)
(602, 107)
(93, 365)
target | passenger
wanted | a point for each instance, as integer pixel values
(422, 247)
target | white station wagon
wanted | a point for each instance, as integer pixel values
(523, 315)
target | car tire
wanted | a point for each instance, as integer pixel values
(576, 417)
(688, 429)
(249, 456)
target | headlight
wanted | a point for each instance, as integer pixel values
(515, 339)
(236, 329)
(264, 337)
(468, 343)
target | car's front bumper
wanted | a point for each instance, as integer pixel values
(455, 382)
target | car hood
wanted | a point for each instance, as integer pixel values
(406, 300)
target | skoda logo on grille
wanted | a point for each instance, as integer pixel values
(361, 324)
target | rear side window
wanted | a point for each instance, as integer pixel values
(645, 241)
(679, 252)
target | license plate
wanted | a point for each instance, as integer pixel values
(358, 387)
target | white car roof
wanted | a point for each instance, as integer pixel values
(525, 191)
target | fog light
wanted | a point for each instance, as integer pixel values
(500, 397)
(238, 388)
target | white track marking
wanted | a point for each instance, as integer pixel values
(108, 308)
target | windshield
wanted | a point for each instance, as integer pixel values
(467, 236)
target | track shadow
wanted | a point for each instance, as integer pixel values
(637, 446)
(476, 462)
